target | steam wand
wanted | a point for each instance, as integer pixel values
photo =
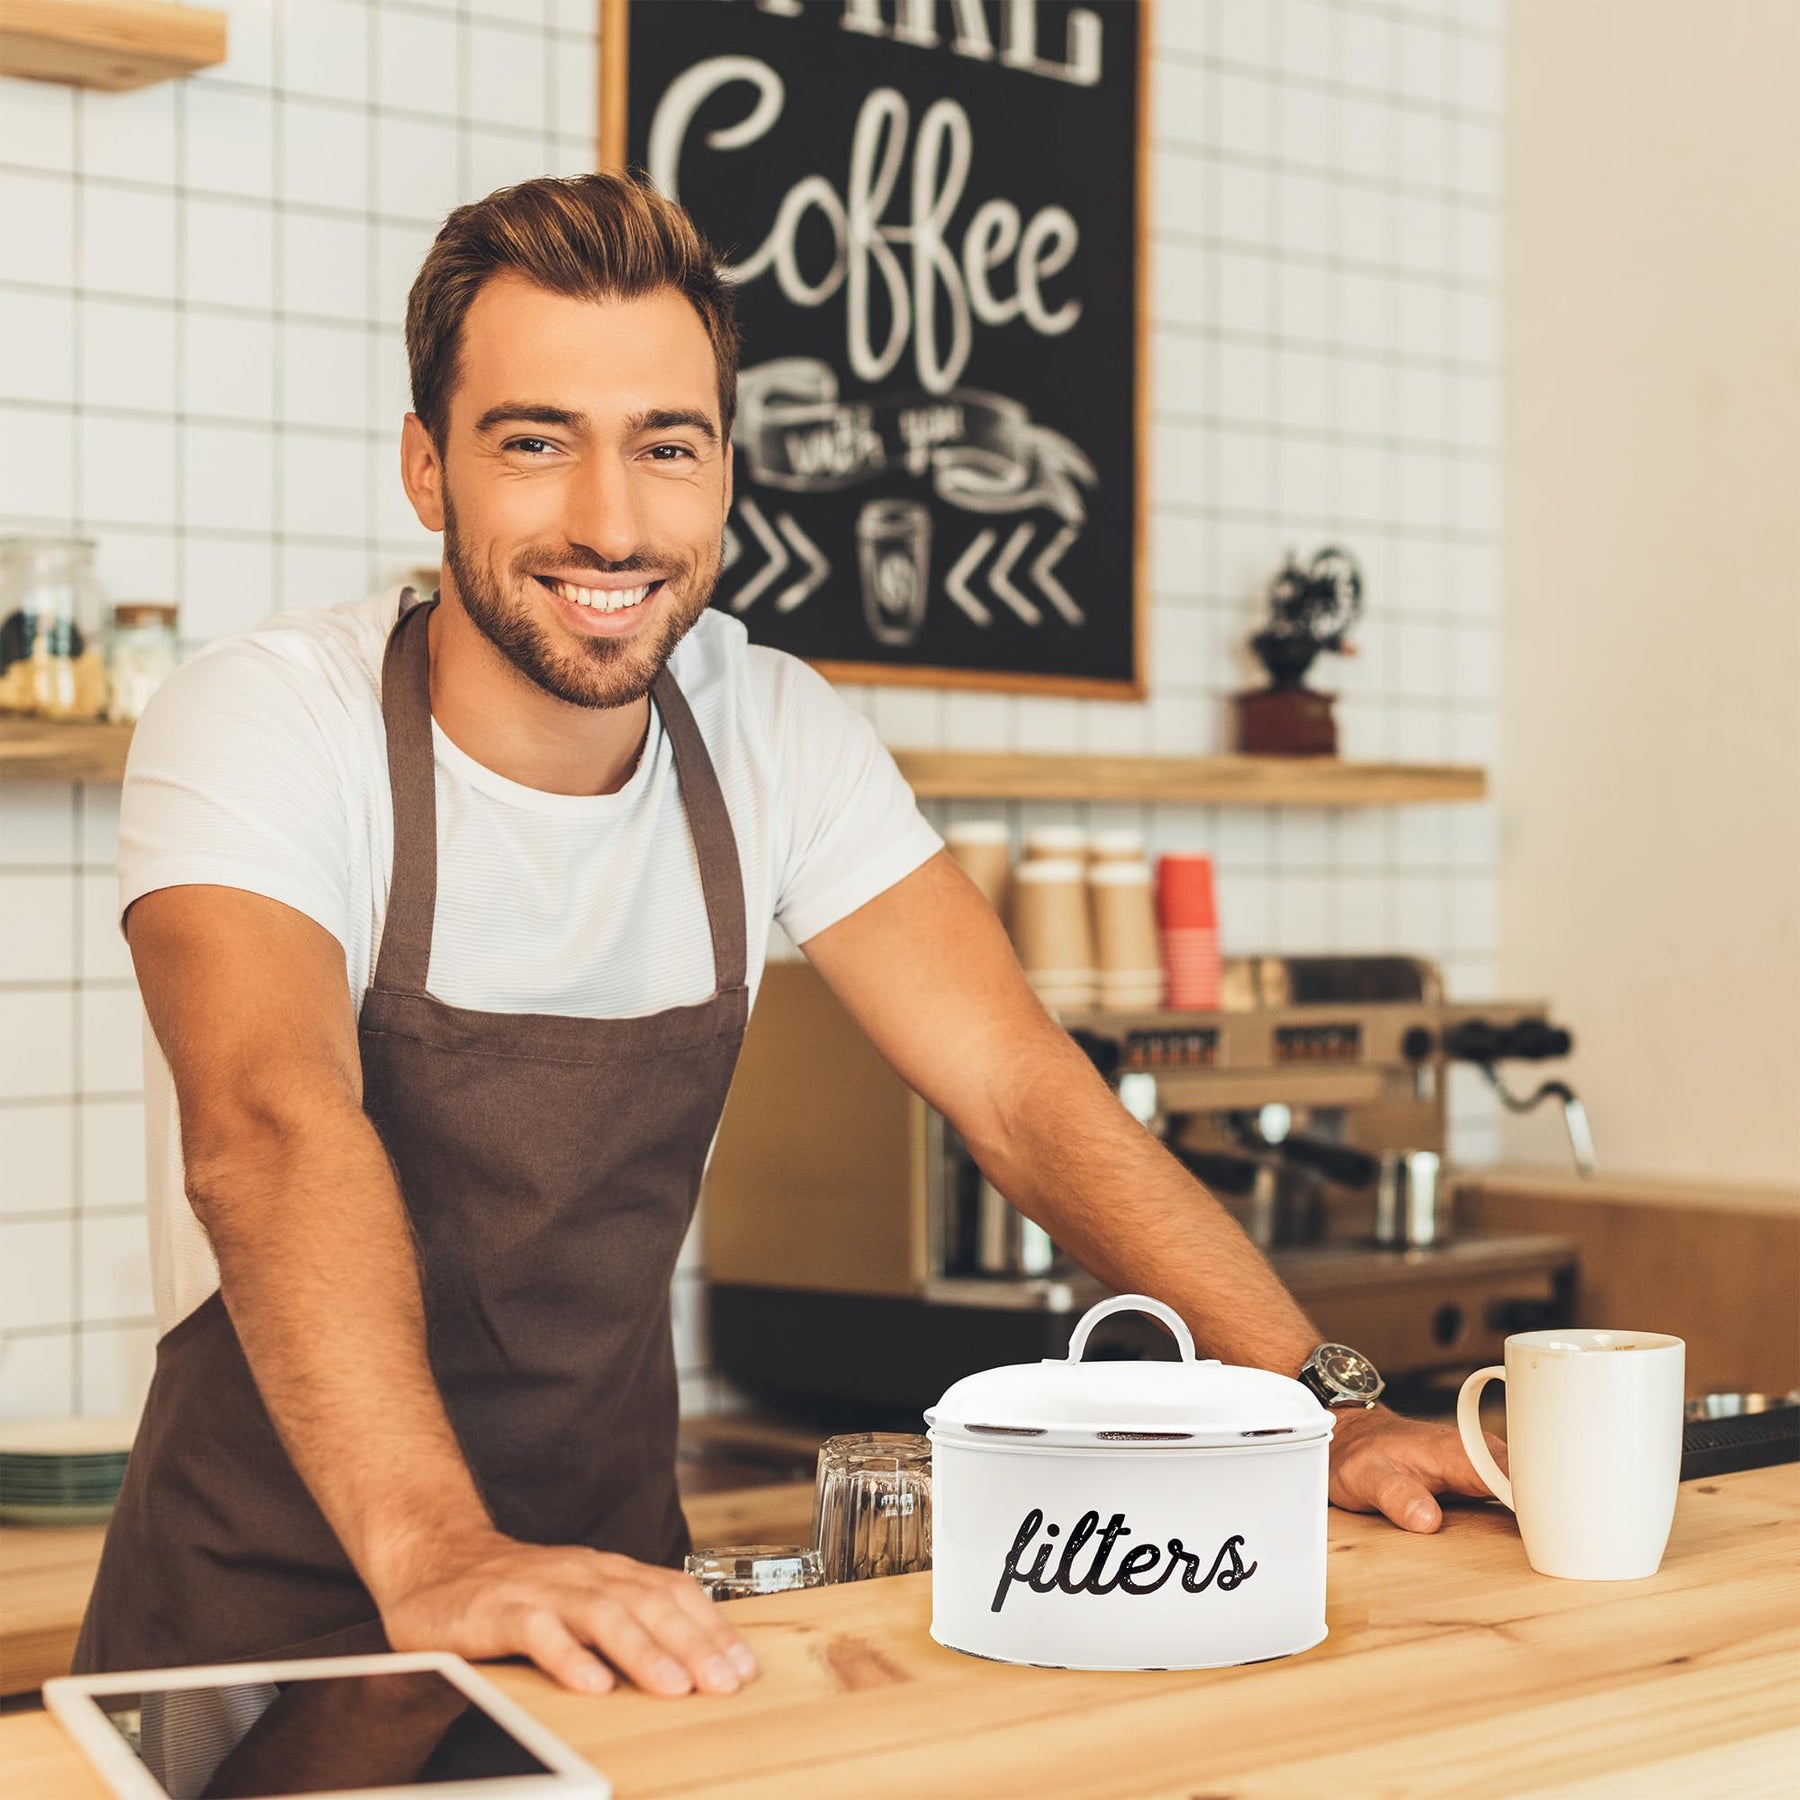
(1581, 1137)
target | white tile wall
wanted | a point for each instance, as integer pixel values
(1325, 368)
(200, 367)
(1325, 356)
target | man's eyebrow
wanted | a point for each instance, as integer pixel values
(661, 418)
(525, 412)
(675, 418)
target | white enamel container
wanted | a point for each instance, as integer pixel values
(1128, 1515)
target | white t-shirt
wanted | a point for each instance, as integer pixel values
(262, 765)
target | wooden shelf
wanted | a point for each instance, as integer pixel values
(43, 750)
(1205, 780)
(108, 44)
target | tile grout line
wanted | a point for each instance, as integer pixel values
(278, 319)
(77, 793)
(372, 297)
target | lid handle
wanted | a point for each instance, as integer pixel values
(1184, 1339)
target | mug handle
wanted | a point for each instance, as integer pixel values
(1468, 1424)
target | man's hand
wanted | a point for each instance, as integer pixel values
(1383, 1463)
(492, 1596)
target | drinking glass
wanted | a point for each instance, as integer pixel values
(735, 1571)
(872, 1505)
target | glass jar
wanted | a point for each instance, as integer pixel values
(50, 661)
(141, 655)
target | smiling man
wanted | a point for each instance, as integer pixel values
(447, 918)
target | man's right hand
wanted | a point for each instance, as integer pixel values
(492, 1596)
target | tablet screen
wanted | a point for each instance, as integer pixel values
(320, 1735)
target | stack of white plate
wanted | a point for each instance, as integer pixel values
(62, 1471)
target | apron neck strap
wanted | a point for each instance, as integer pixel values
(405, 958)
(404, 962)
(709, 821)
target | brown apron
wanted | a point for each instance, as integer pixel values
(550, 1167)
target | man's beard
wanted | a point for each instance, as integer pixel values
(598, 672)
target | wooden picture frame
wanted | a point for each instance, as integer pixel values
(613, 138)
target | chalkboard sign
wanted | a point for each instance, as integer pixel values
(932, 210)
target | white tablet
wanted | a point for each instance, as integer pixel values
(357, 1727)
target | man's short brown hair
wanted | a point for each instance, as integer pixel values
(595, 237)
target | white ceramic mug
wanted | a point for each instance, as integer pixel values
(1593, 1427)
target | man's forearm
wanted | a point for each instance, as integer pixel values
(926, 970)
(318, 1272)
(1066, 1152)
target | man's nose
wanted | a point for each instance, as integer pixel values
(603, 511)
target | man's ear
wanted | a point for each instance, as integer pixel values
(422, 473)
(730, 470)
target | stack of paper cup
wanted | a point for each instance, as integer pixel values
(1189, 917)
(1130, 974)
(982, 848)
(1051, 930)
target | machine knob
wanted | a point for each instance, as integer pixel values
(1472, 1040)
(1537, 1040)
(1525, 1040)
(1418, 1044)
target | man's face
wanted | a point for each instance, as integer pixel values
(584, 484)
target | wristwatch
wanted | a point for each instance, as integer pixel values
(1342, 1377)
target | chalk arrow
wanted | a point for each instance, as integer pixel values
(1000, 577)
(956, 582)
(747, 596)
(817, 566)
(1043, 573)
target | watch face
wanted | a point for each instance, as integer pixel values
(1349, 1371)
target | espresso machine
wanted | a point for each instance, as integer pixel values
(859, 1262)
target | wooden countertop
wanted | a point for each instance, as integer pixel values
(1451, 1668)
(1771, 1200)
(46, 1574)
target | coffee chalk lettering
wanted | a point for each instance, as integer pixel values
(933, 295)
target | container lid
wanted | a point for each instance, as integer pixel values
(1120, 874)
(978, 831)
(145, 612)
(1127, 845)
(1050, 871)
(1056, 840)
(1131, 1406)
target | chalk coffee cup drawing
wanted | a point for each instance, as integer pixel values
(1593, 1428)
(893, 550)
(1128, 1515)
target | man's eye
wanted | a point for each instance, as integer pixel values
(532, 446)
(670, 452)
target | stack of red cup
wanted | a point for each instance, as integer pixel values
(1188, 920)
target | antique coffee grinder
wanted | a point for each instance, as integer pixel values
(1310, 610)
